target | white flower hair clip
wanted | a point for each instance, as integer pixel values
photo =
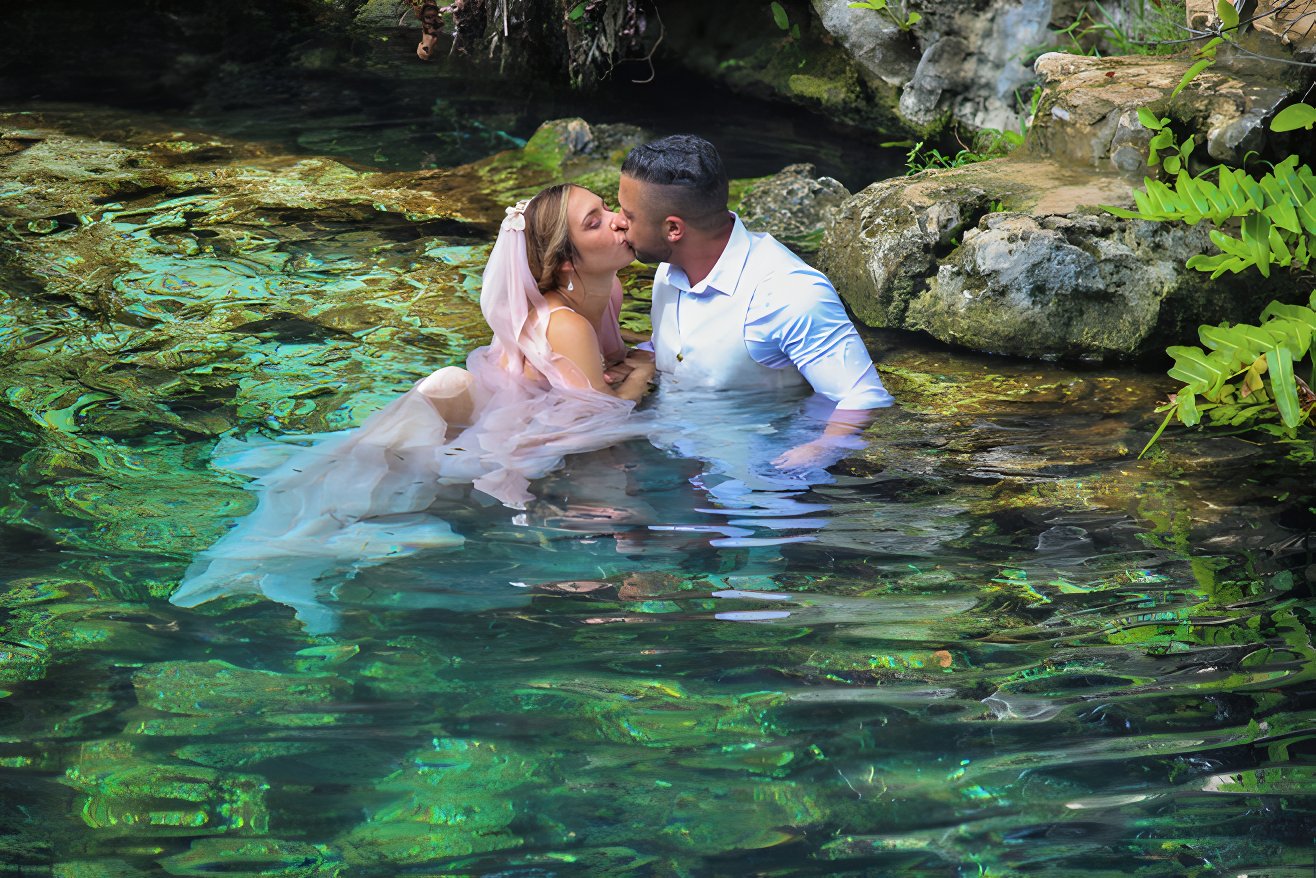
(515, 220)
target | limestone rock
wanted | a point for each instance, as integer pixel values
(1089, 112)
(793, 205)
(961, 60)
(1014, 257)
(882, 50)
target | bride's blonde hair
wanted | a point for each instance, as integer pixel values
(547, 235)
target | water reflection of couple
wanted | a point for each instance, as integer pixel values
(732, 310)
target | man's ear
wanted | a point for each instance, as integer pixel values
(673, 229)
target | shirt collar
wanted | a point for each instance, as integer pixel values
(725, 276)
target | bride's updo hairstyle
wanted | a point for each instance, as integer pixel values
(547, 238)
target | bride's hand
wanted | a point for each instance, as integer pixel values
(616, 373)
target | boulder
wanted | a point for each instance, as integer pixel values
(1089, 114)
(794, 206)
(960, 61)
(1014, 256)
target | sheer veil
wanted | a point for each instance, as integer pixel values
(330, 504)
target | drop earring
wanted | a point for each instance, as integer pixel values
(570, 285)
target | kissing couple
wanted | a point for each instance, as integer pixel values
(734, 313)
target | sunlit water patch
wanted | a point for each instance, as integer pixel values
(990, 642)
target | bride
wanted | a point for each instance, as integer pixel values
(537, 392)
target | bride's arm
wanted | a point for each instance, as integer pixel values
(571, 336)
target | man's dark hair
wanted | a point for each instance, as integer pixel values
(691, 172)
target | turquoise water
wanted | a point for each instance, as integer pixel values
(992, 643)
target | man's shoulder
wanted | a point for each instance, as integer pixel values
(774, 269)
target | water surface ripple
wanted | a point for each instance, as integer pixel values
(990, 643)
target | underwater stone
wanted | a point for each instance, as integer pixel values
(252, 857)
(126, 791)
(217, 688)
(452, 799)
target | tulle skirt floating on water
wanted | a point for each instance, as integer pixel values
(329, 505)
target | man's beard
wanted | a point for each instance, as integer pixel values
(652, 257)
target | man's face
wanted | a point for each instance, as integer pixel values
(637, 219)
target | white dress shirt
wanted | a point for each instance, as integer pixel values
(794, 317)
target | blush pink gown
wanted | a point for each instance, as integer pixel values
(357, 498)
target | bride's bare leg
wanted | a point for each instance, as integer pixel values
(449, 391)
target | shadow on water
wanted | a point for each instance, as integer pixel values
(999, 645)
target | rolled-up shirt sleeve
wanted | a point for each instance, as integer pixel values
(803, 322)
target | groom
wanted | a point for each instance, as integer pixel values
(734, 309)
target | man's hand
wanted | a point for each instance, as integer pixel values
(818, 454)
(617, 372)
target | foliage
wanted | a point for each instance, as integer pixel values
(1294, 117)
(900, 18)
(986, 143)
(1205, 54)
(1145, 27)
(783, 21)
(922, 157)
(1165, 141)
(1251, 374)
(1277, 213)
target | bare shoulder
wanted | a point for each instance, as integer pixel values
(567, 324)
(569, 333)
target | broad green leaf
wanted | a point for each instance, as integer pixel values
(1162, 200)
(1297, 322)
(1228, 15)
(1172, 164)
(1248, 413)
(1279, 251)
(1220, 208)
(1189, 188)
(1192, 74)
(1198, 371)
(1307, 216)
(1256, 234)
(1217, 265)
(913, 19)
(1188, 412)
(1294, 117)
(1163, 139)
(1149, 120)
(1259, 338)
(578, 12)
(1143, 204)
(1121, 212)
(1229, 342)
(1231, 245)
(1280, 210)
(778, 15)
(1230, 188)
(1253, 189)
(1283, 387)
